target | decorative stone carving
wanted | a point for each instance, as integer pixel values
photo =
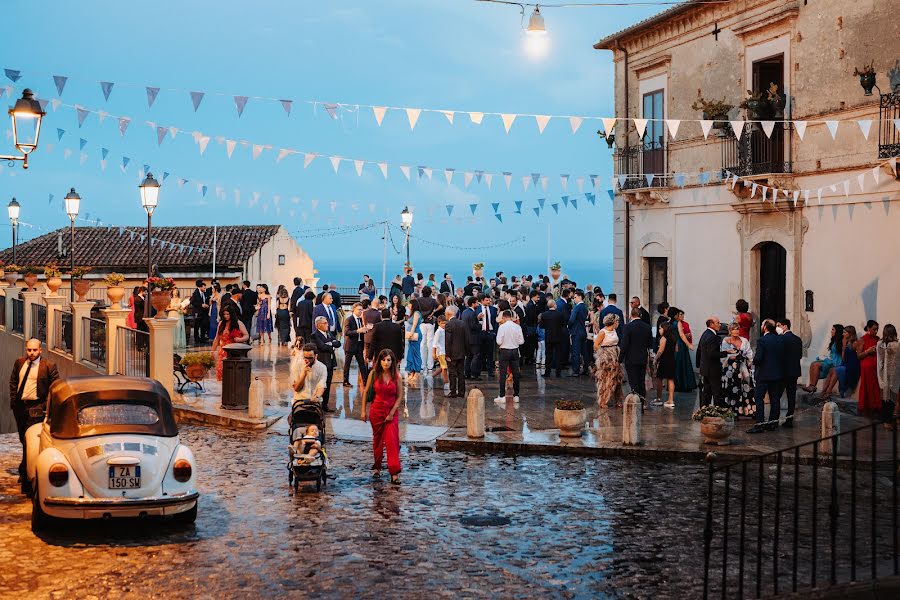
(647, 197)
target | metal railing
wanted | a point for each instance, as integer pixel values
(132, 352)
(39, 322)
(756, 153)
(62, 331)
(93, 341)
(643, 166)
(18, 316)
(2, 311)
(818, 514)
(888, 133)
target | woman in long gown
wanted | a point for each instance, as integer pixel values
(129, 320)
(175, 311)
(263, 313)
(383, 395)
(606, 359)
(214, 301)
(230, 331)
(685, 381)
(869, 397)
(413, 349)
(283, 318)
(665, 360)
(737, 377)
(888, 359)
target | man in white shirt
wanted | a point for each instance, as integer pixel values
(309, 384)
(509, 338)
(438, 349)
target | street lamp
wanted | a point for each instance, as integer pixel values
(405, 223)
(149, 200)
(26, 118)
(73, 203)
(13, 209)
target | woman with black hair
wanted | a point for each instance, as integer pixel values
(382, 397)
(832, 358)
(230, 331)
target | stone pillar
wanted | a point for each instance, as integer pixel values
(162, 347)
(115, 318)
(631, 421)
(475, 414)
(5, 291)
(79, 311)
(54, 304)
(831, 425)
(256, 406)
(31, 297)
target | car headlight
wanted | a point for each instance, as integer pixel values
(182, 470)
(58, 475)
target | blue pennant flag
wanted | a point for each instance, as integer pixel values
(146, 169)
(535, 177)
(537, 211)
(679, 179)
(499, 217)
(421, 171)
(204, 191)
(495, 205)
(649, 177)
(575, 203)
(612, 195)
(519, 206)
(541, 202)
(703, 178)
(60, 133)
(121, 230)
(590, 198)
(449, 209)
(13, 75)
(125, 161)
(104, 152)
(82, 143)
(51, 199)
(622, 179)
(478, 176)
(165, 175)
(107, 87)
(565, 200)
(555, 206)
(472, 207)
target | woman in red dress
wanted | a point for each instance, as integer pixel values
(743, 318)
(230, 330)
(869, 390)
(129, 320)
(384, 392)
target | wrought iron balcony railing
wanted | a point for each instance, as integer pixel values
(757, 153)
(642, 166)
(888, 133)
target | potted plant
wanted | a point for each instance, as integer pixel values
(713, 110)
(196, 364)
(30, 275)
(160, 294)
(570, 417)
(866, 77)
(716, 424)
(81, 285)
(478, 269)
(54, 278)
(11, 274)
(114, 290)
(763, 106)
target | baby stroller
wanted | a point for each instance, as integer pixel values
(300, 466)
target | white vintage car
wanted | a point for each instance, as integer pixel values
(108, 447)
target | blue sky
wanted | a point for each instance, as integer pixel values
(445, 54)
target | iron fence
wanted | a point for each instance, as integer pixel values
(93, 341)
(18, 316)
(766, 517)
(132, 352)
(62, 331)
(2, 311)
(888, 133)
(39, 322)
(756, 152)
(642, 166)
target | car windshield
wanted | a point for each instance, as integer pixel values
(117, 414)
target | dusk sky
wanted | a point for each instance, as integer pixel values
(442, 54)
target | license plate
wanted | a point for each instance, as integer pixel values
(125, 478)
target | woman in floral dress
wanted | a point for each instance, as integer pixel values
(606, 359)
(230, 331)
(737, 377)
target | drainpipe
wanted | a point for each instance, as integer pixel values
(627, 206)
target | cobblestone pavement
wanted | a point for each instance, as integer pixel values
(460, 525)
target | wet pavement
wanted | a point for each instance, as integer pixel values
(460, 525)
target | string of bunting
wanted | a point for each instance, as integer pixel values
(333, 109)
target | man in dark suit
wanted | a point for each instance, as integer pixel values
(371, 315)
(529, 327)
(709, 362)
(304, 314)
(578, 334)
(335, 296)
(793, 354)
(768, 363)
(408, 285)
(636, 303)
(457, 346)
(328, 310)
(612, 309)
(555, 336)
(326, 344)
(487, 331)
(470, 319)
(390, 335)
(296, 297)
(637, 339)
(200, 308)
(249, 298)
(29, 384)
(354, 344)
(447, 286)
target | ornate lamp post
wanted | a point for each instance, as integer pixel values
(73, 203)
(149, 200)
(13, 209)
(406, 218)
(26, 118)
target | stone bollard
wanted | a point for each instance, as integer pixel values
(475, 414)
(256, 406)
(631, 421)
(831, 425)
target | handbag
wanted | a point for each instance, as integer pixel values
(412, 336)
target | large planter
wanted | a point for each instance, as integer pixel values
(716, 430)
(115, 294)
(30, 280)
(570, 422)
(867, 81)
(159, 300)
(82, 287)
(11, 278)
(195, 372)
(53, 284)
(554, 274)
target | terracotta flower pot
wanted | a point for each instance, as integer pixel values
(195, 372)
(867, 81)
(11, 278)
(82, 287)
(570, 422)
(53, 284)
(716, 430)
(30, 280)
(115, 294)
(160, 300)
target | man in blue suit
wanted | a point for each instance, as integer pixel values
(612, 309)
(470, 318)
(578, 334)
(769, 365)
(327, 310)
(487, 327)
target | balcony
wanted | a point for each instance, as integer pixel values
(756, 153)
(888, 133)
(637, 163)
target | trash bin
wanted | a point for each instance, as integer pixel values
(236, 377)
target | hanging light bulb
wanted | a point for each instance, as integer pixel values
(536, 24)
(536, 38)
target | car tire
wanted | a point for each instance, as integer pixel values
(39, 519)
(187, 517)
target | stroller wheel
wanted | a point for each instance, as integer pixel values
(318, 484)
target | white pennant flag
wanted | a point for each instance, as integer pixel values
(564, 182)
(507, 178)
(800, 126)
(160, 135)
(202, 142)
(55, 103)
(819, 196)
(753, 191)
(846, 184)
(865, 125)
(413, 115)
(379, 113)
(544, 182)
(706, 126)
(359, 166)
(229, 147)
(507, 121)
(861, 180)
(641, 126)
(428, 171)
(66, 153)
(488, 178)
(832, 128)
(575, 123)
(796, 197)
(281, 154)
(768, 127)
(448, 175)
(257, 150)
(580, 182)
(609, 125)
(876, 175)
(738, 128)
(467, 178)
(448, 114)
(383, 167)
(541, 121)
(673, 125)
(476, 117)
(335, 162)
(526, 180)
(308, 158)
(805, 197)
(405, 170)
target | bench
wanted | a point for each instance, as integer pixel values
(181, 376)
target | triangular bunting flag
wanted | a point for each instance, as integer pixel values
(679, 179)
(240, 102)
(202, 142)
(379, 113)
(383, 166)
(555, 207)
(160, 135)
(405, 170)
(622, 178)
(564, 182)
(448, 114)
(876, 175)
(861, 180)
(499, 217)
(800, 126)
(66, 154)
(286, 105)
(738, 127)
(565, 200)
(81, 143)
(768, 127)
(641, 126)
(335, 162)
(102, 114)
(421, 171)
(865, 125)
(331, 109)
(649, 178)
(507, 121)
(196, 99)
(832, 128)
(703, 178)
(13, 75)
(673, 125)
(412, 114)
(706, 126)
(518, 204)
(526, 180)
(60, 133)
(495, 206)
(541, 202)
(476, 117)
(595, 181)
(152, 93)
(612, 195)
(805, 197)
(257, 150)
(55, 103)
(123, 125)
(82, 114)
(846, 184)
(104, 152)
(575, 203)
(467, 178)
(449, 209)
(308, 158)
(537, 211)
(473, 208)
(106, 87)
(507, 178)
(535, 177)
(358, 164)
(60, 81)
(575, 123)
(448, 175)
(488, 178)
(796, 197)
(229, 147)
(541, 121)
(544, 182)
(608, 125)
(125, 161)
